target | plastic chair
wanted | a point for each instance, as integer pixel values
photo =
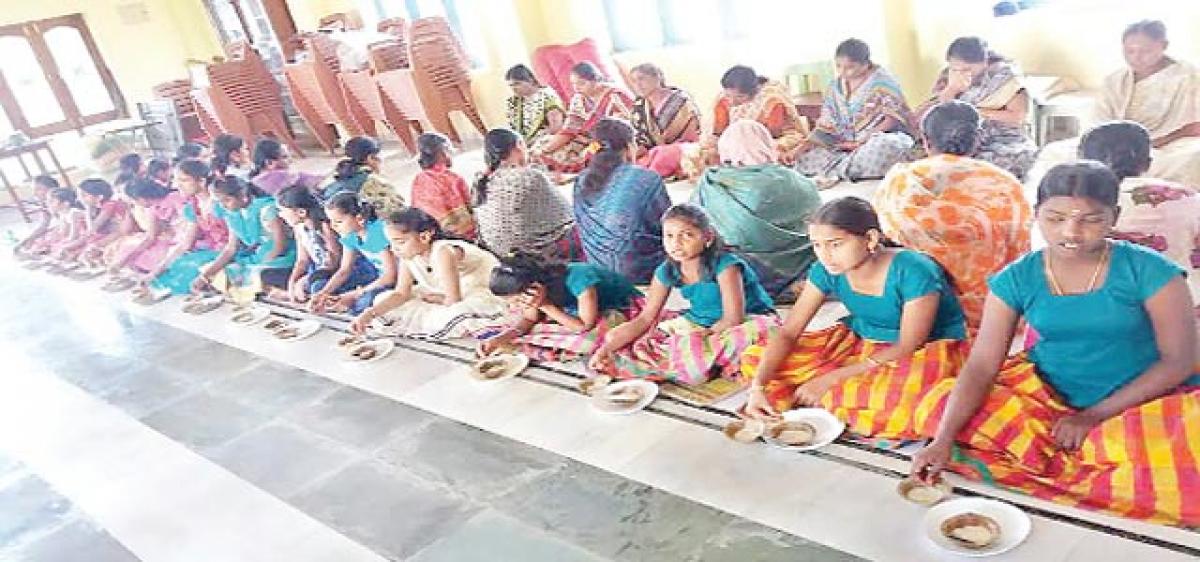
(552, 65)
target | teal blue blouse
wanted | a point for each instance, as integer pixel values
(1091, 344)
(704, 296)
(615, 292)
(373, 245)
(911, 275)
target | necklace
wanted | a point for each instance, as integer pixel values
(1057, 289)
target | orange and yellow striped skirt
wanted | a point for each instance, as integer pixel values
(1141, 464)
(880, 402)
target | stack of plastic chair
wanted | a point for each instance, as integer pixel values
(442, 75)
(245, 99)
(398, 93)
(552, 65)
(179, 93)
(364, 95)
(318, 96)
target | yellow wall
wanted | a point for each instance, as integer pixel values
(140, 55)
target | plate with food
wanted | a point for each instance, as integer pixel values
(350, 340)
(201, 305)
(591, 385)
(369, 351)
(921, 493)
(274, 323)
(295, 331)
(248, 316)
(976, 526)
(146, 296)
(625, 397)
(499, 366)
(745, 431)
(804, 429)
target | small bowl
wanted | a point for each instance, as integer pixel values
(589, 386)
(745, 431)
(792, 433)
(921, 493)
(971, 530)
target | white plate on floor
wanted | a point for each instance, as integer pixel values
(304, 329)
(382, 349)
(250, 316)
(514, 364)
(202, 305)
(602, 402)
(1014, 525)
(827, 425)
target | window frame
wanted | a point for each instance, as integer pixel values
(33, 31)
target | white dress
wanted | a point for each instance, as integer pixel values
(477, 310)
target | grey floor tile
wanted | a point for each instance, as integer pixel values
(469, 461)
(359, 418)
(492, 536)
(274, 388)
(281, 459)
(140, 391)
(220, 363)
(91, 370)
(745, 541)
(78, 541)
(391, 515)
(28, 505)
(614, 517)
(204, 420)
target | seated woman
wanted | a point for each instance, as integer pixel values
(323, 267)
(1160, 93)
(516, 207)
(272, 171)
(360, 233)
(1101, 412)
(729, 311)
(568, 149)
(441, 285)
(905, 331)
(749, 96)
(992, 84)
(439, 191)
(969, 215)
(105, 217)
(259, 253)
(1155, 213)
(664, 117)
(619, 206)
(758, 206)
(533, 110)
(201, 234)
(359, 173)
(152, 223)
(561, 311)
(864, 125)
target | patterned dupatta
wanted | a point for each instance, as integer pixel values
(850, 116)
(675, 116)
(583, 113)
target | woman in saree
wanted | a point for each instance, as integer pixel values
(976, 75)
(664, 117)
(968, 214)
(747, 95)
(619, 206)
(1160, 93)
(568, 150)
(533, 109)
(758, 206)
(1103, 411)
(864, 125)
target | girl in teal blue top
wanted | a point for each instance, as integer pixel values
(1104, 407)
(905, 330)
(729, 310)
(563, 308)
(354, 221)
(259, 252)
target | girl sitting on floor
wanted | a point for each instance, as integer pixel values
(272, 171)
(362, 233)
(441, 288)
(65, 223)
(130, 167)
(562, 310)
(905, 331)
(323, 267)
(1103, 411)
(359, 173)
(105, 218)
(259, 253)
(159, 170)
(151, 220)
(231, 157)
(439, 191)
(201, 235)
(730, 310)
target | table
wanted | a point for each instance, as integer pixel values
(131, 127)
(32, 149)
